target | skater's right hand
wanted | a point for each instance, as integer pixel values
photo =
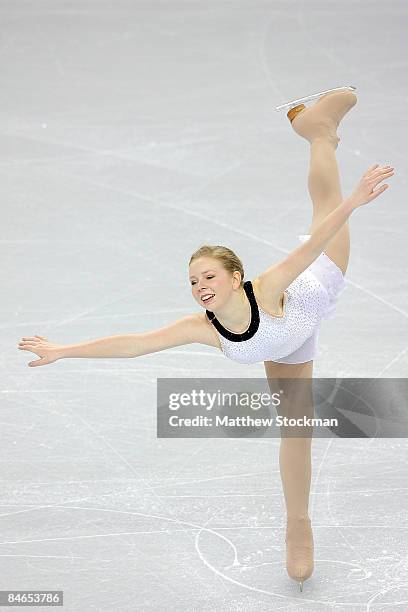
(39, 345)
(364, 192)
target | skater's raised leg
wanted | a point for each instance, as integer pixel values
(324, 116)
(325, 192)
(318, 124)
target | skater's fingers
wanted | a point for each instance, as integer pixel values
(381, 173)
(39, 362)
(29, 346)
(377, 192)
(381, 177)
(382, 170)
(371, 168)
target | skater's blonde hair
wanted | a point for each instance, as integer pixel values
(229, 260)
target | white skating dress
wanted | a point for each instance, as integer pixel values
(293, 336)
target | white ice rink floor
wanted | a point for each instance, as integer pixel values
(132, 133)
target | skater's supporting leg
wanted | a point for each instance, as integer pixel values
(295, 463)
(295, 453)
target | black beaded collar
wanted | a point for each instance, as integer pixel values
(253, 326)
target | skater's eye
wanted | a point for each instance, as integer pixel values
(193, 282)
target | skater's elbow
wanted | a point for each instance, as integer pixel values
(180, 332)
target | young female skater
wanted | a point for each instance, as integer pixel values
(276, 317)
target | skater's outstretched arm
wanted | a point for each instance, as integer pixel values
(187, 330)
(278, 277)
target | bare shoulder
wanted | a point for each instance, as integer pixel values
(263, 286)
(278, 277)
(204, 330)
(271, 281)
(268, 296)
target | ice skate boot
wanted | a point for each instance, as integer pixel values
(323, 118)
(299, 549)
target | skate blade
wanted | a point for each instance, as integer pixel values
(294, 103)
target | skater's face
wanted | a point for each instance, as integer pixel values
(211, 284)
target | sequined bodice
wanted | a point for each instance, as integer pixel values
(278, 336)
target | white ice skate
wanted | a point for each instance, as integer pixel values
(296, 106)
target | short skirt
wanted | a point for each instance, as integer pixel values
(331, 278)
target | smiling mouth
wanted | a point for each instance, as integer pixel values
(207, 298)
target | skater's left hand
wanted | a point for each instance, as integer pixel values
(365, 192)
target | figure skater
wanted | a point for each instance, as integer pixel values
(276, 317)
